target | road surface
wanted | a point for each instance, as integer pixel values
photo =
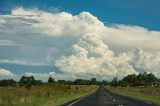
(103, 97)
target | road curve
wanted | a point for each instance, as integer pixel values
(103, 97)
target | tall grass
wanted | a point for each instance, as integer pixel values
(44, 95)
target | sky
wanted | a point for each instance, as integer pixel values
(79, 39)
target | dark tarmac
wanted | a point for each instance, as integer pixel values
(103, 97)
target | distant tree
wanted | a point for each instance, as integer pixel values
(7, 82)
(114, 82)
(23, 80)
(131, 79)
(150, 79)
(38, 82)
(82, 82)
(105, 82)
(123, 83)
(28, 84)
(140, 80)
(62, 82)
(32, 80)
(98, 83)
(70, 82)
(27, 81)
(50, 80)
(145, 79)
(93, 81)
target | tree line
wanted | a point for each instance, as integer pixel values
(29, 81)
(145, 79)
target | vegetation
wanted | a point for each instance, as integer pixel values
(51, 80)
(142, 86)
(42, 95)
(150, 94)
(31, 92)
(29, 81)
(137, 80)
(7, 82)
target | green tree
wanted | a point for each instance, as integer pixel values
(38, 82)
(114, 82)
(82, 82)
(145, 79)
(23, 80)
(27, 81)
(105, 82)
(28, 84)
(7, 82)
(93, 81)
(62, 82)
(131, 79)
(140, 80)
(50, 80)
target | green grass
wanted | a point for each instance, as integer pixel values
(44, 95)
(150, 94)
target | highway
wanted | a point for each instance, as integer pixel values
(103, 97)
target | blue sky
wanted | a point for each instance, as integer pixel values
(143, 13)
(79, 39)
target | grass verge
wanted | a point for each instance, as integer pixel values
(150, 94)
(44, 95)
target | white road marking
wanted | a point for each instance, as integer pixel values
(79, 100)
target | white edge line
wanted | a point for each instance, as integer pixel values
(79, 100)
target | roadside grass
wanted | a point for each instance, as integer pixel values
(150, 94)
(44, 95)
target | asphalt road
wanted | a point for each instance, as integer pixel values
(103, 97)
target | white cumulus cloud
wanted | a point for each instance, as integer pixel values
(56, 76)
(97, 49)
(130, 37)
(146, 61)
(6, 73)
(92, 57)
(21, 62)
(62, 29)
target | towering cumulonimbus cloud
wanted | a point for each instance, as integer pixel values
(146, 61)
(97, 49)
(92, 57)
